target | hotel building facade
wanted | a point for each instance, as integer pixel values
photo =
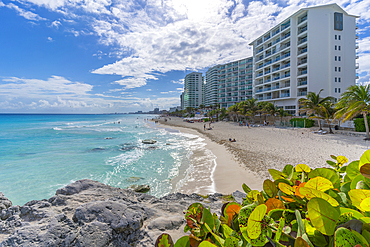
(313, 49)
(193, 94)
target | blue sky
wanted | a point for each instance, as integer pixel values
(104, 56)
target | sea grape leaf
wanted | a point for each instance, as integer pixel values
(183, 242)
(365, 219)
(302, 168)
(353, 169)
(365, 158)
(164, 240)
(365, 204)
(230, 210)
(365, 170)
(341, 160)
(357, 196)
(346, 187)
(253, 195)
(355, 214)
(333, 157)
(296, 189)
(312, 193)
(226, 230)
(331, 163)
(323, 215)
(299, 241)
(319, 183)
(275, 174)
(356, 180)
(346, 238)
(270, 188)
(254, 221)
(206, 244)
(326, 173)
(231, 242)
(207, 217)
(287, 189)
(301, 229)
(288, 171)
(273, 203)
(246, 188)
(316, 237)
(366, 235)
(218, 238)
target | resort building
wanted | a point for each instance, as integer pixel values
(193, 90)
(230, 83)
(313, 49)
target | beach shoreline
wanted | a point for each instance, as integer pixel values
(261, 148)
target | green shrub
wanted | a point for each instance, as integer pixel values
(205, 119)
(299, 207)
(302, 122)
(360, 124)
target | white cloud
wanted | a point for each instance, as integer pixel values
(56, 24)
(50, 39)
(180, 81)
(2, 4)
(131, 82)
(24, 13)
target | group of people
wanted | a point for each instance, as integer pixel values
(209, 126)
(243, 123)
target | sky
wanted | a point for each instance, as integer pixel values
(107, 56)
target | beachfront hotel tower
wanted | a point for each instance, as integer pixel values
(229, 83)
(193, 90)
(313, 49)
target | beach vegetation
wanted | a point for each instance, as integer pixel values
(300, 206)
(355, 100)
(302, 122)
(313, 105)
(360, 124)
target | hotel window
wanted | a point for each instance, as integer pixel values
(338, 21)
(339, 90)
(339, 37)
(335, 90)
(338, 58)
(335, 79)
(335, 37)
(338, 79)
(335, 69)
(338, 69)
(335, 58)
(338, 47)
(335, 47)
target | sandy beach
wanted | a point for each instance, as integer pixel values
(258, 149)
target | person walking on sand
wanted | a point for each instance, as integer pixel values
(204, 127)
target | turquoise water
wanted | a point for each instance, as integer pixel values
(41, 153)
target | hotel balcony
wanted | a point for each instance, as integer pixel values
(275, 87)
(285, 65)
(267, 89)
(275, 32)
(302, 19)
(285, 26)
(259, 91)
(302, 61)
(285, 55)
(275, 69)
(302, 82)
(302, 30)
(302, 51)
(285, 36)
(267, 97)
(301, 93)
(302, 40)
(302, 72)
(284, 95)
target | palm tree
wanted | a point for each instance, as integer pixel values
(233, 111)
(262, 109)
(327, 113)
(311, 105)
(355, 100)
(251, 107)
(272, 109)
(282, 113)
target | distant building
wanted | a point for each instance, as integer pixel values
(156, 111)
(173, 109)
(313, 49)
(193, 90)
(182, 100)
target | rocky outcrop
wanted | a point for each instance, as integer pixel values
(89, 213)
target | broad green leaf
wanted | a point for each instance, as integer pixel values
(226, 230)
(357, 196)
(231, 242)
(353, 169)
(317, 238)
(253, 195)
(326, 173)
(206, 244)
(287, 189)
(365, 204)
(365, 219)
(346, 238)
(207, 217)
(302, 168)
(299, 241)
(346, 187)
(331, 163)
(275, 174)
(276, 182)
(365, 158)
(355, 182)
(365, 170)
(273, 203)
(311, 193)
(366, 235)
(246, 188)
(254, 221)
(183, 242)
(356, 214)
(301, 230)
(164, 240)
(270, 188)
(323, 215)
(288, 171)
(218, 238)
(319, 183)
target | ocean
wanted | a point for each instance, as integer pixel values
(41, 153)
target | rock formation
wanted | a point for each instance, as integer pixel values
(89, 213)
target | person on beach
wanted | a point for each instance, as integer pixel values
(204, 126)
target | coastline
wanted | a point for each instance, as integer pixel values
(261, 148)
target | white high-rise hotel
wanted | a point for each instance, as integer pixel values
(313, 49)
